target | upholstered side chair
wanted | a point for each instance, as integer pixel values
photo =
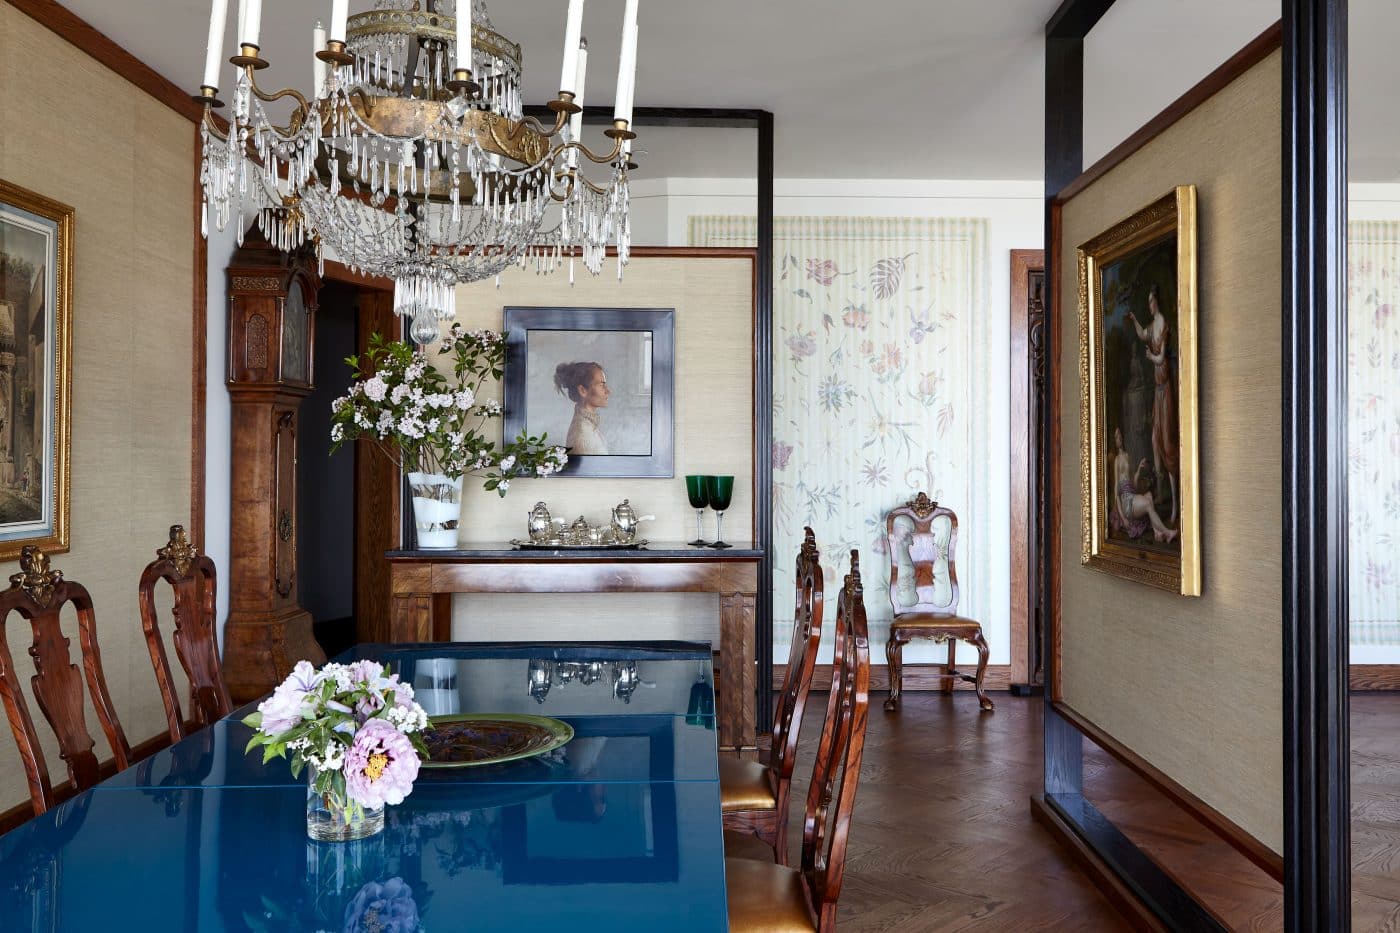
(765, 897)
(39, 594)
(755, 796)
(923, 539)
(192, 578)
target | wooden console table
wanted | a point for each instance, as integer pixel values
(422, 584)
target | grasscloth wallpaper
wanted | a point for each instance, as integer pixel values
(713, 300)
(124, 162)
(1194, 684)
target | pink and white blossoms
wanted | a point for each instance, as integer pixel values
(356, 725)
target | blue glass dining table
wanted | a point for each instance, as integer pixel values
(619, 828)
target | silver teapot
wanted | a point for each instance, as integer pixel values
(539, 523)
(625, 522)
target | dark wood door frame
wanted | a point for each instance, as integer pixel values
(1027, 397)
(378, 486)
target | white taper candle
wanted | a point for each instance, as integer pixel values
(464, 35)
(580, 82)
(573, 31)
(249, 21)
(318, 67)
(627, 64)
(214, 53)
(340, 12)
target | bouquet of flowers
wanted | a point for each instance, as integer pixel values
(435, 422)
(356, 725)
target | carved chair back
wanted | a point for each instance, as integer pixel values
(923, 538)
(39, 594)
(802, 663)
(192, 578)
(831, 796)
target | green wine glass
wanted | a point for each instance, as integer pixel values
(699, 498)
(720, 491)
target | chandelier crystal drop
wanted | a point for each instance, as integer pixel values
(412, 157)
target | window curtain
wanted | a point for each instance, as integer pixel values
(880, 376)
(1373, 430)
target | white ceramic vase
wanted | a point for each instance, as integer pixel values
(437, 508)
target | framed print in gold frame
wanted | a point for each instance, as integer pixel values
(36, 368)
(1138, 385)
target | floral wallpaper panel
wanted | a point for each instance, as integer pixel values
(1373, 430)
(881, 369)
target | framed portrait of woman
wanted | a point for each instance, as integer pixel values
(1138, 424)
(599, 381)
(36, 313)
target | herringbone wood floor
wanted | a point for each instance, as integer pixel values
(943, 838)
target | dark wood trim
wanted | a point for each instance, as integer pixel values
(1260, 48)
(1373, 677)
(1049, 462)
(22, 813)
(925, 677)
(1208, 816)
(763, 411)
(1104, 878)
(199, 361)
(1316, 729)
(1156, 889)
(80, 33)
(333, 271)
(1075, 18)
(1023, 262)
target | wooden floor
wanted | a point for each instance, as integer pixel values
(943, 838)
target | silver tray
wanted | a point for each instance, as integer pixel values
(563, 546)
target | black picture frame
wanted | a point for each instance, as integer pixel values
(521, 322)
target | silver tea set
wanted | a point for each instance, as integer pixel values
(545, 531)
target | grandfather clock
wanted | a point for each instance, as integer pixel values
(272, 300)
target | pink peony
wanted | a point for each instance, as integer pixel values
(284, 708)
(380, 765)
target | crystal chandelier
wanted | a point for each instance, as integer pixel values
(412, 158)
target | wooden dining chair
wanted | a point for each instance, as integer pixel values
(925, 534)
(769, 898)
(755, 796)
(39, 594)
(192, 577)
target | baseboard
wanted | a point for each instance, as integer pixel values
(1223, 827)
(1104, 878)
(1374, 677)
(24, 812)
(916, 677)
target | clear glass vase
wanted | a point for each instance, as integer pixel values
(332, 817)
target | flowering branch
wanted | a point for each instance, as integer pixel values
(433, 420)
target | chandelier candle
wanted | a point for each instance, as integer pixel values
(627, 65)
(573, 31)
(576, 121)
(340, 13)
(217, 18)
(319, 68)
(464, 36)
(249, 21)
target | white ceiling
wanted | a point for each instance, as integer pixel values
(929, 89)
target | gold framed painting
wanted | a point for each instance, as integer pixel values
(1138, 385)
(36, 317)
